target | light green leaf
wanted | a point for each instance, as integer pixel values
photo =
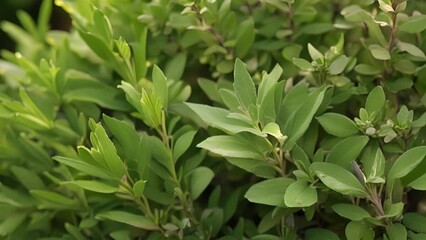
(347, 150)
(244, 86)
(94, 186)
(350, 211)
(103, 145)
(314, 53)
(366, 69)
(231, 146)
(218, 118)
(303, 64)
(131, 219)
(379, 52)
(274, 130)
(160, 85)
(338, 179)
(407, 162)
(338, 125)
(139, 187)
(338, 65)
(200, 178)
(414, 24)
(411, 49)
(269, 192)
(300, 194)
(268, 81)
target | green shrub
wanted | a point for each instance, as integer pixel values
(306, 120)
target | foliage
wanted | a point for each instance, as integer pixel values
(310, 123)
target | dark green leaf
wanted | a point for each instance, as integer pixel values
(350, 211)
(138, 221)
(338, 179)
(338, 124)
(407, 162)
(347, 150)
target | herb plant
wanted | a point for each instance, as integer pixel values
(262, 120)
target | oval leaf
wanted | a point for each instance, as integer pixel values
(338, 179)
(338, 125)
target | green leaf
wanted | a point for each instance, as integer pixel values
(209, 87)
(411, 49)
(347, 150)
(414, 24)
(44, 17)
(131, 219)
(407, 162)
(182, 144)
(415, 222)
(314, 53)
(358, 231)
(303, 64)
(373, 163)
(231, 146)
(99, 47)
(53, 197)
(338, 125)
(375, 100)
(94, 186)
(244, 86)
(302, 117)
(379, 52)
(176, 66)
(419, 183)
(366, 69)
(300, 194)
(83, 167)
(268, 81)
(160, 85)
(274, 130)
(320, 234)
(350, 211)
(200, 178)
(139, 187)
(269, 192)
(338, 65)
(28, 178)
(103, 145)
(338, 179)
(245, 37)
(260, 168)
(9, 224)
(218, 118)
(396, 231)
